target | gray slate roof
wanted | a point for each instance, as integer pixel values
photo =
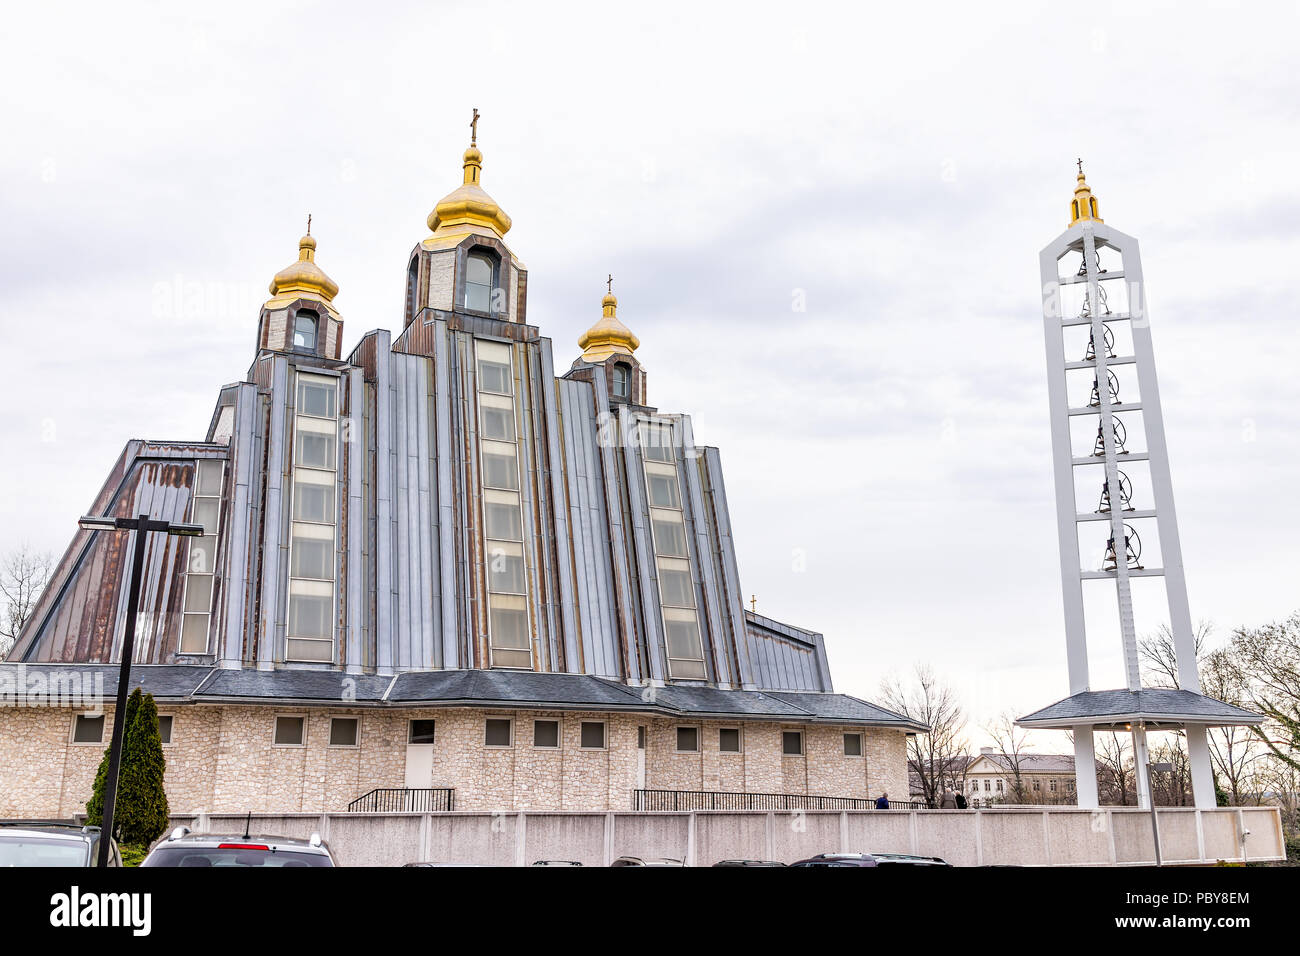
(1152, 704)
(163, 681)
(479, 688)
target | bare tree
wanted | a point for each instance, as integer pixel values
(1011, 745)
(1115, 776)
(1234, 751)
(936, 756)
(1267, 660)
(1158, 656)
(23, 576)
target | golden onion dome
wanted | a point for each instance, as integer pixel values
(304, 279)
(1083, 208)
(609, 336)
(469, 205)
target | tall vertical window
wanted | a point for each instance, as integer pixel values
(509, 638)
(310, 628)
(480, 270)
(623, 382)
(682, 641)
(412, 285)
(200, 568)
(304, 331)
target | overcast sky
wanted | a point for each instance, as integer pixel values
(896, 172)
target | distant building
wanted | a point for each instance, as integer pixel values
(434, 567)
(1047, 778)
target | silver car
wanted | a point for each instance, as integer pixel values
(203, 850)
(52, 843)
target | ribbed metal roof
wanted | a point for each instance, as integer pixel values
(1152, 704)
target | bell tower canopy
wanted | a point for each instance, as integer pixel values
(303, 279)
(300, 315)
(609, 336)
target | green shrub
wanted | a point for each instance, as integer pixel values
(141, 811)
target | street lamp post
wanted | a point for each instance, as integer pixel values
(141, 526)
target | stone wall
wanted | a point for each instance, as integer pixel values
(223, 759)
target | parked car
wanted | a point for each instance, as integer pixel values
(52, 843)
(870, 859)
(888, 859)
(185, 849)
(748, 863)
(639, 861)
(556, 863)
(839, 859)
(436, 863)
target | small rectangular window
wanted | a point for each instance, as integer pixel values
(420, 732)
(506, 568)
(661, 486)
(165, 728)
(497, 732)
(688, 740)
(656, 442)
(502, 519)
(290, 731)
(669, 533)
(546, 734)
(729, 740)
(853, 745)
(87, 729)
(343, 731)
(791, 743)
(593, 735)
(315, 398)
(640, 738)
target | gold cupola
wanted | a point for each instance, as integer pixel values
(303, 279)
(469, 208)
(1084, 206)
(609, 336)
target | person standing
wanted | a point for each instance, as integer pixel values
(949, 801)
(882, 802)
(961, 800)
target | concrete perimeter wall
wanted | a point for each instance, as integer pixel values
(1047, 837)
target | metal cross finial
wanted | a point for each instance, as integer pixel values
(753, 604)
(1080, 166)
(609, 283)
(309, 224)
(473, 129)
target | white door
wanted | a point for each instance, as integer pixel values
(419, 766)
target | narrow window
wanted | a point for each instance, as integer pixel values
(412, 285)
(480, 271)
(729, 740)
(623, 382)
(165, 728)
(497, 732)
(546, 734)
(853, 745)
(290, 731)
(312, 545)
(593, 735)
(200, 568)
(420, 732)
(688, 740)
(792, 743)
(304, 332)
(88, 730)
(343, 731)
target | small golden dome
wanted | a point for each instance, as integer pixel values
(470, 205)
(609, 336)
(303, 279)
(1083, 208)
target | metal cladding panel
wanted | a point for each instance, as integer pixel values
(415, 634)
(540, 611)
(231, 617)
(731, 598)
(641, 550)
(594, 581)
(539, 515)
(353, 531)
(385, 468)
(449, 655)
(78, 619)
(561, 553)
(787, 658)
(274, 567)
(717, 649)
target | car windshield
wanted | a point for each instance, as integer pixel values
(198, 856)
(21, 849)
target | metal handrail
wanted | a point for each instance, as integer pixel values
(739, 800)
(404, 800)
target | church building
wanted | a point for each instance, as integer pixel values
(435, 573)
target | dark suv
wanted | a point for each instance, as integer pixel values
(52, 843)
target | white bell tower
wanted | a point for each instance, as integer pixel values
(1097, 332)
